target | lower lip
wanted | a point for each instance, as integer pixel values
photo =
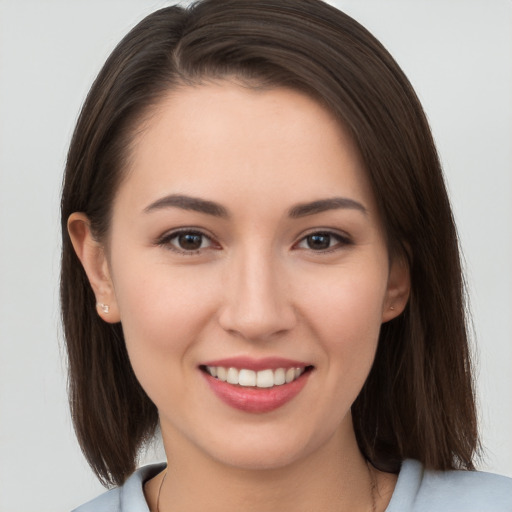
(256, 400)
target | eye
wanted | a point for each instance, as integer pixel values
(186, 241)
(323, 241)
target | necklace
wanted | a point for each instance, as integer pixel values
(373, 485)
(159, 491)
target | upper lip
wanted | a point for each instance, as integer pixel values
(249, 363)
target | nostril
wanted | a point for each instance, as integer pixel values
(257, 326)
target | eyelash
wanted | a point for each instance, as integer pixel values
(166, 241)
(342, 240)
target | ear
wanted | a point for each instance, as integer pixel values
(399, 287)
(93, 258)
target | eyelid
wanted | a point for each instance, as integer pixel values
(343, 238)
(165, 239)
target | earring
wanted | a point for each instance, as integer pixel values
(104, 307)
(392, 308)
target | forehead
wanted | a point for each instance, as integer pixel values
(226, 139)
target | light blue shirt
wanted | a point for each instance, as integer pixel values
(417, 490)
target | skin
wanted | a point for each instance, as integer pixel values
(256, 287)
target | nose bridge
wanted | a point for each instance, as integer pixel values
(257, 305)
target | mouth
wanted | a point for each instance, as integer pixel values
(256, 386)
(263, 379)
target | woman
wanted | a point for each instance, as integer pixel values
(259, 258)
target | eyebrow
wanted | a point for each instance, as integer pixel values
(323, 205)
(188, 203)
(215, 209)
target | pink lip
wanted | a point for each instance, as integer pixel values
(272, 363)
(255, 400)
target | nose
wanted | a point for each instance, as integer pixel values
(257, 304)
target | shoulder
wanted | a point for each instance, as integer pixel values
(106, 502)
(127, 498)
(422, 490)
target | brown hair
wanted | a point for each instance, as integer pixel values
(418, 399)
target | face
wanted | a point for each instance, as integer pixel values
(246, 247)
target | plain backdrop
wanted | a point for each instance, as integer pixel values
(458, 55)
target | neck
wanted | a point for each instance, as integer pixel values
(333, 478)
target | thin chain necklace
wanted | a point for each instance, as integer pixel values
(159, 491)
(373, 485)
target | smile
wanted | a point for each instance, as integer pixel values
(266, 378)
(256, 386)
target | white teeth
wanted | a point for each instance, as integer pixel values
(290, 375)
(265, 379)
(249, 378)
(232, 377)
(279, 377)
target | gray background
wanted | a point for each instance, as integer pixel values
(458, 55)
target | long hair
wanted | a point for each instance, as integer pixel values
(418, 400)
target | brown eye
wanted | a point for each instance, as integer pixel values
(324, 241)
(318, 241)
(190, 241)
(186, 242)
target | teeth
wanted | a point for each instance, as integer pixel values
(249, 378)
(279, 377)
(232, 376)
(290, 375)
(265, 379)
(222, 373)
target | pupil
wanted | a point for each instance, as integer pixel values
(190, 241)
(319, 241)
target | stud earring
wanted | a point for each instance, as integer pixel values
(392, 308)
(104, 307)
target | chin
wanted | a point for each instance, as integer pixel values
(267, 450)
(260, 459)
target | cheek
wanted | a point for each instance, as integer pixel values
(345, 315)
(158, 302)
(162, 314)
(348, 307)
